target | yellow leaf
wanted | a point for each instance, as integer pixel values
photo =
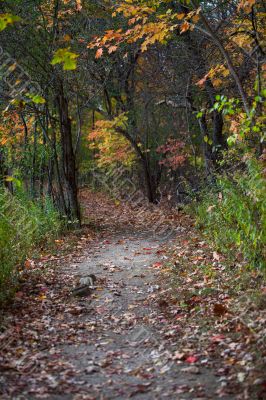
(225, 72)
(217, 82)
(12, 67)
(144, 46)
(67, 38)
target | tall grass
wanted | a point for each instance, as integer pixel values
(233, 214)
(24, 225)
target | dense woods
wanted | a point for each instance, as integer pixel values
(132, 199)
(168, 96)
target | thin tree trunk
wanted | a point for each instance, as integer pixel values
(33, 166)
(219, 140)
(79, 127)
(68, 157)
(60, 197)
(206, 150)
(26, 140)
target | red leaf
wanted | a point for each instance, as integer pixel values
(157, 265)
(191, 359)
(217, 338)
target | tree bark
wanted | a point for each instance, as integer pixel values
(68, 158)
(219, 140)
(149, 183)
(206, 148)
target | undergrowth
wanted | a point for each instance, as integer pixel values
(232, 214)
(24, 226)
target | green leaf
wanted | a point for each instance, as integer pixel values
(200, 114)
(232, 140)
(36, 98)
(7, 19)
(16, 181)
(258, 99)
(65, 57)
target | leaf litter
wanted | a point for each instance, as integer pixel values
(168, 318)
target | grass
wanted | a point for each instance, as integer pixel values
(232, 215)
(24, 226)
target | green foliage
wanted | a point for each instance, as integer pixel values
(233, 214)
(7, 19)
(65, 57)
(23, 226)
(36, 98)
(247, 125)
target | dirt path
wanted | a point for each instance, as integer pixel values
(137, 335)
(130, 351)
(113, 344)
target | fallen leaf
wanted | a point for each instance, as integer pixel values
(219, 309)
(191, 359)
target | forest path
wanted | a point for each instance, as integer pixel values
(155, 326)
(130, 350)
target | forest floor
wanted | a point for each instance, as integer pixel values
(169, 317)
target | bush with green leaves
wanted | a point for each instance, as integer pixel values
(233, 214)
(24, 225)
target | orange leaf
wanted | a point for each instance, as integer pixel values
(78, 5)
(112, 49)
(180, 16)
(27, 264)
(195, 18)
(99, 53)
(203, 80)
(3, 141)
(184, 27)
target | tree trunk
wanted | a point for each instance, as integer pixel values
(2, 166)
(219, 140)
(33, 165)
(206, 148)
(150, 184)
(68, 158)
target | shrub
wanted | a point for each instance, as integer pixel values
(24, 225)
(233, 214)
